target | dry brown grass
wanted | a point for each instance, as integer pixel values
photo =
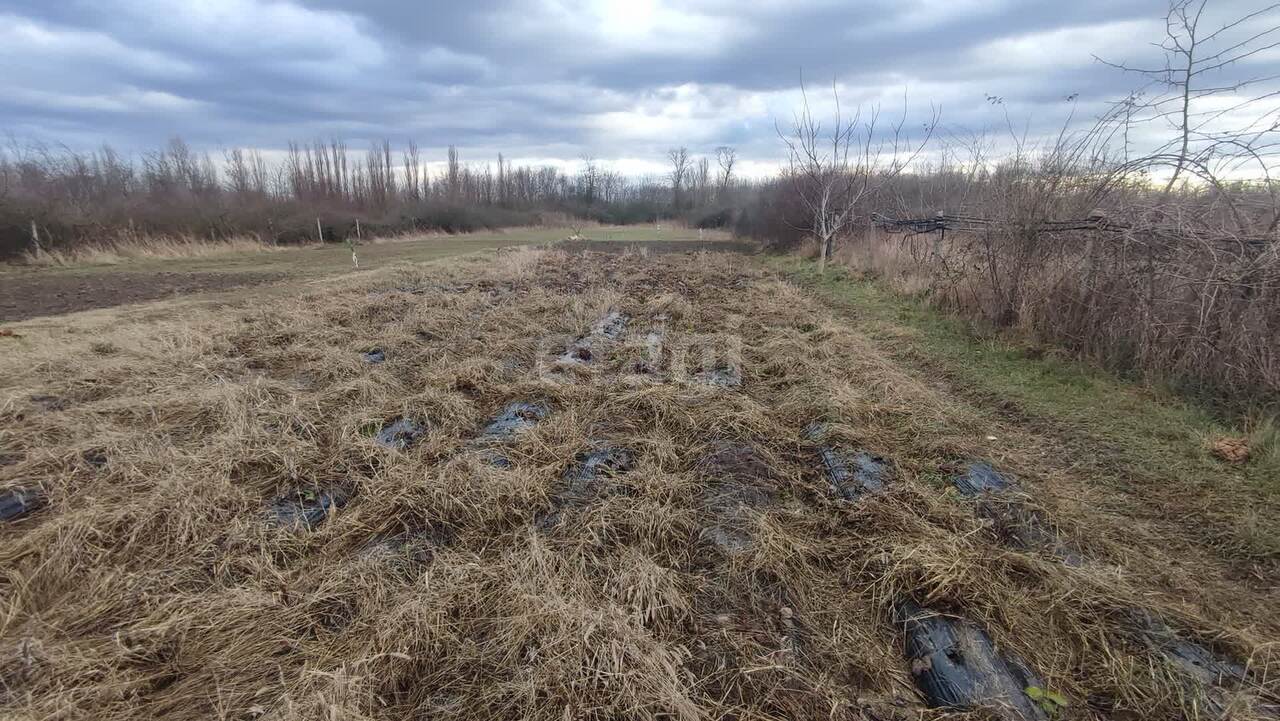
(716, 578)
(128, 247)
(884, 256)
(1169, 295)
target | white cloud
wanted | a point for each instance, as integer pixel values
(443, 60)
(1062, 48)
(583, 29)
(249, 29)
(125, 100)
(918, 16)
(26, 44)
(550, 80)
(687, 113)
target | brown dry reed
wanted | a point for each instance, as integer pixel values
(1180, 285)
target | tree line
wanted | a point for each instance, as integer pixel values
(61, 197)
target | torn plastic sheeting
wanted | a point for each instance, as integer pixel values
(734, 460)
(515, 417)
(850, 475)
(612, 326)
(410, 547)
(17, 503)
(579, 352)
(306, 509)
(50, 403)
(400, 434)
(580, 480)
(853, 476)
(651, 361)
(731, 541)
(1029, 529)
(724, 376)
(1222, 688)
(981, 478)
(737, 489)
(1026, 527)
(605, 461)
(956, 665)
(1192, 659)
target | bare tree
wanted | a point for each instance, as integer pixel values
(381, 174)
(238, 171)
(832, 170)
(502, 180)
(338, 161)
(679, 159)
(726, 157)
(453, 174)
(1194, 61)
(701, 181)
(589, 180)
(412, 172)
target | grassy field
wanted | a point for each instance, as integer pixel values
(1129, 435)
(305, 259)
(608, 486)
(334, 257)
(144, 273)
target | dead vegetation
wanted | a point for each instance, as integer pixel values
(1180, 287)
(221, 535)
(126, 247)
(1157, 257)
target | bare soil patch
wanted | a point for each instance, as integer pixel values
(43, 293)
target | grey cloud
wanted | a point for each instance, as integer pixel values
(535, 79)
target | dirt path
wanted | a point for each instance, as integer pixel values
(545, 485)
(45, 294)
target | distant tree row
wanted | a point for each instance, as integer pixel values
(69, 197)
(694, 184)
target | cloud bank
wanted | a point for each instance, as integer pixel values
(553, 80)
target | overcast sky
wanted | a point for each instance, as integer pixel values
(553, 79)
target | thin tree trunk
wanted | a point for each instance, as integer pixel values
(1186, 120)
(35, 239)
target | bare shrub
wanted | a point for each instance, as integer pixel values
(833, 171)
(1165, 264)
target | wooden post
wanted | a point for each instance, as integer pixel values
(319, 230)
(358, 236)
(35, 238)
